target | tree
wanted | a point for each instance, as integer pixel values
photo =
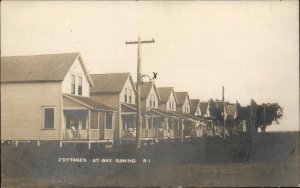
(268, 113)
(215, 112)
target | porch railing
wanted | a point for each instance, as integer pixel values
(94, 134)
(109, 134)
(128, 133)
(80, 134)
(148, 133)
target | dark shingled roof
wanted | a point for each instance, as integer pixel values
(94, 104)
(203, 107)
(125, 107)
(194, 105)
(37, 68)
(146, 88)
(109, 83)
(164, 93)
(181, 97)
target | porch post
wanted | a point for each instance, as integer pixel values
(89, 124)
(173, 126)
(104, 126)
(98, 126)
(182, 125)
(154, 130)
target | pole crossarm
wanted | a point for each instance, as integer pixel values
(143, 41)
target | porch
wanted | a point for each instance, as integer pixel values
(84, 122)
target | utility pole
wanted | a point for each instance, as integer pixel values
(251, 115)
(138, 87)
(264, 117)
(224, 120)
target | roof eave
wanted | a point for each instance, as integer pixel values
(88, 76)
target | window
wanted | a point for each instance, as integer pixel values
(130, 95)
(170, 103)
(108, 121)
(49, 118)
(150, 101)
(79, 85)
(73, 84)
(125, 95)
(153, 100)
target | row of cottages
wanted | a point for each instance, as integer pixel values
(211, 117)
(47, 97)
(162, 115)
(53, 97)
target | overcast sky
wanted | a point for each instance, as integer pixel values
(251, 48)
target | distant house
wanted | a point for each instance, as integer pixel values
(168, 100)
(118, 91)
(155, 120)
(214, 117)
(184, 103)
(190, 122)
(197, 112)
(168, 103)
(47, 97)
(231, 114)
(195, 107)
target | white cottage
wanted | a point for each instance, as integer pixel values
(47, 97)
(118, 91)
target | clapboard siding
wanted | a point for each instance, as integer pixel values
(152, 92)
(129, 86)
(22, 110)
(77, 70)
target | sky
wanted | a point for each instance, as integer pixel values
(250, 48)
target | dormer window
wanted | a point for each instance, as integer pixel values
(150, 101)
(170, 105)
(130, 95)
(73, 84)
(125, 95)
(79, 85)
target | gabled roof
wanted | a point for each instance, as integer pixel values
(89, 102)
(110, 82)
(157, 111)
(39, 68)
(185, 116)
(176, 114)
(231, 109)
(191, 117)
(203, 107)
(194, 105)
(125, 107)
(165, 92)
(146, 88)
(181, 96)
